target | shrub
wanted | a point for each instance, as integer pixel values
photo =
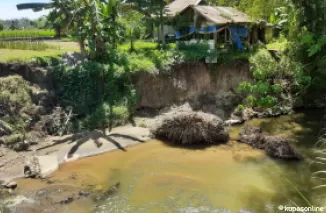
(101, 95)
(196, 51)
(139, 62)
(276, 83)
(15, 93)
(141, 46)
(263, 65)
(102, 117)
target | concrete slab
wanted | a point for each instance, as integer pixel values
(48, 164)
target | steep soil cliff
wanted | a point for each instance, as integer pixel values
(211, 89)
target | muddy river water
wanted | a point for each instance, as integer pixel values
(156, 178)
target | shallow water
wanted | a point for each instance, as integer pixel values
(154, 177)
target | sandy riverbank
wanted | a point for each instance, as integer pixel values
(72, 147)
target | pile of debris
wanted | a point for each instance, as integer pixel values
(275, 146)
(182, 125)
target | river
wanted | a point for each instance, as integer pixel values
(156, 178)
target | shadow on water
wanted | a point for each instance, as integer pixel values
(288, 185)
(303, 126)
(188, 146)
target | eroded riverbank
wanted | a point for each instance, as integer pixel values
(154, 177)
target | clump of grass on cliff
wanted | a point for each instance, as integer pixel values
(15, 93)
(15, 99)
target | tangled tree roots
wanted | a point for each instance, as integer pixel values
(252, 136)
(275, 146)
(279, 147)
(184, 126)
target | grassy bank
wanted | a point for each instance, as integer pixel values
(51, 49)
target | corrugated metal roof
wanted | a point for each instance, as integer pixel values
(223, 15)
(179, 5)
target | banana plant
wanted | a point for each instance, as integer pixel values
(58, 16)
(94, 21)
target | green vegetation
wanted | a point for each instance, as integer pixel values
(56, 49)
(114, 48)
(24, 45)
(15, 100)
(26, 33)
(12, 139)
(276, 83)
(255, 8)
(14, 94)
(148, 57)
(98, 93)
(8, 55)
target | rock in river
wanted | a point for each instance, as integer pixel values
(10, 185)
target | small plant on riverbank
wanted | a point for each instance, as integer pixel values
(102, 117)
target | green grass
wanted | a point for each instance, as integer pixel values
(24, 45)
(57, 48)
(26, 33)
(12, 139)
(277, 45)
(143, 46)
(101, 117)
(7, 55)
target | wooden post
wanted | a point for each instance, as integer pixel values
(215, 40)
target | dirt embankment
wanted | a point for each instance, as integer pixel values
(36, 76)
(27, 107)
(208, 88)
(28, 112)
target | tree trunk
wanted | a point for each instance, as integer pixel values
(162, 24)
(132, 48)
(57, 31)
(81, 43)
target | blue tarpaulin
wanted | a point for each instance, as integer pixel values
(201, 30)
(236, 33)
(192, 29)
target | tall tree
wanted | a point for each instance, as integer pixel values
(134, 24)
(2, 26)
(91, 20)
(155, 9)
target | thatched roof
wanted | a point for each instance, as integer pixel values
(178, 6)
(222, 15)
